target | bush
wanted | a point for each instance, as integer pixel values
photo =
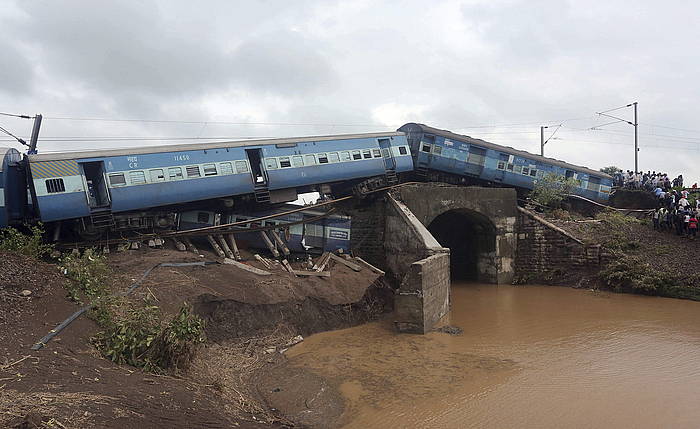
(137, 337)
(89, 274)
(551, 189)
(13, 240)
(631, 274)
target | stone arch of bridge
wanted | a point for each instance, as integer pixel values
(471, 238)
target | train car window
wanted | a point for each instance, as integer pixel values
(402, 150)
(476, 156)
(55, 185)
(322, 158)
(117, 179)
(594, 183)
(345, 156)
(137, 177)
(271, 163)
(157, 175)
(526, 171)
(333, 157)
(437, 150)
(540, 174)
(570, 174)
(203, 217)
(310, 159)
(226, 168)
(429, 138)
(533, 173)
(297, 161)
(210, 170)
(284, 162)
(356, 155)
(241, 167)
(367, 153)
(192, 171)
(425, 148)
(501, 165)
(174, 173)
(510, 167)
(517, 169)
(377, 153)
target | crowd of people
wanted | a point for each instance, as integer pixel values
(649, 181)
(677, 211)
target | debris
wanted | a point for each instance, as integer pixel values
(450, 330)
(224, 246)
(246, 267)
(370, 266)
(215, 246)
(134, 245)
(263, 261)
(349, 264)
(294, 341)
(279, 242)
(322, 262)
(179, 245)
(190, 246)
(269, 244)
(288, 267)
(25, 292)
(312, 273)
(151, 243)
(233, 246)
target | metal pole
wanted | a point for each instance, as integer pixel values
(35, 134)
(542, 141)
(636, 148)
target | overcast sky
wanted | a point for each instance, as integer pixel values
(495, 70)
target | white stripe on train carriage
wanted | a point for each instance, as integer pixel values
(2, 197)
(70, 183)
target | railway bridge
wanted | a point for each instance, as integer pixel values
(426, 234)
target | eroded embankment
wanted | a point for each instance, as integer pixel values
(251, 320)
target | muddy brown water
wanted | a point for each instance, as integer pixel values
(530, 356)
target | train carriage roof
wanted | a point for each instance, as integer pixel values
(506, 149)
(54, 156)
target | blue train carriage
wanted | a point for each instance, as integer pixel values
(478, 161)
(13, 188)
(95, 184)
(330, 233)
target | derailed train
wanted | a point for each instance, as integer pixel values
(147, 188)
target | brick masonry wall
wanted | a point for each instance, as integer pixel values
(546, 255)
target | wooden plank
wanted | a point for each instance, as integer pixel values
(349, 264)
(262, 261)
(312, 273)
(323, 263)
(288, 267)
(215, 246)
(279, 242)
(179, 245)
(233, 246)
(246, 267)
(269, 244)
(224, 246)
(190, 246)
(320, 261)
(370, 266)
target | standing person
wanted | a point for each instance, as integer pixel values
(655, 218)
(683, 203)
(686, 222)
(669, 219)
(693, 225)
(680, 180)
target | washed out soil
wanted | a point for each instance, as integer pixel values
(251, 321)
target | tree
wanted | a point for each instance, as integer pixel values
(552, 189)
(611, 170)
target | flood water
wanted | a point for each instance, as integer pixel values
(530, 356)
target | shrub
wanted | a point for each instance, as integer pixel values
(628, 273)
(551, 189)
(31, 244)
(89, 274)
(138, 337)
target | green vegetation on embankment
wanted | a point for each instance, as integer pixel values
(132, 331)
(642, 260)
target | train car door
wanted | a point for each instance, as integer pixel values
(96, 185)
(257, 169)
(475, 161)
(389, 160)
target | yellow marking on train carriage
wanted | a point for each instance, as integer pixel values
(46, 169)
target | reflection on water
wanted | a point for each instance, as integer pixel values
(530, 356)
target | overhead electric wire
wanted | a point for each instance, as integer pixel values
(13, 136)
(16, 115)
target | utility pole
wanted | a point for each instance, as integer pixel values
(635, 124)
(542, 140)
(636, 148)
(35, 135)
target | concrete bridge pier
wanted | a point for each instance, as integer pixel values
(435, 232)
